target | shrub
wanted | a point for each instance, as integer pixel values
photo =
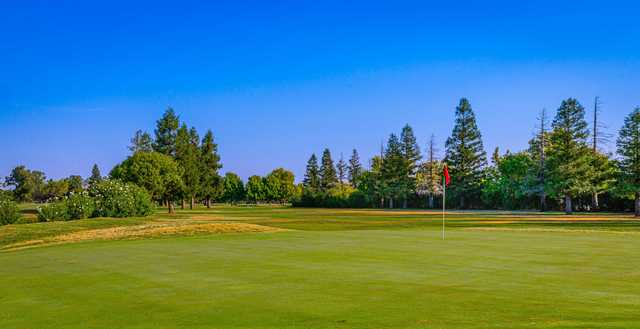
(9, 212)
(79, 206)
(117, 199)
(53, 212)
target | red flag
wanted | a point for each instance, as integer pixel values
(447, 178)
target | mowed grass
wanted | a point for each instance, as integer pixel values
(329, 269)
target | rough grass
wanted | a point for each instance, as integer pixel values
(332, 269)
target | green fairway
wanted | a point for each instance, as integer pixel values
(329, 269)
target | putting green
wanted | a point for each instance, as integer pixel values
(389, 277)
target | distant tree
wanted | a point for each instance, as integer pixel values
(187, 154)
(233, 188)
(507, 186)
(279, 185)
(141, 142)
(255, 189)
(166, 132)
(628, 145)
(328, 178)
(538, 148)
(429, 175)
(210, 180)
(27, 184)
(465, 156)
(354, 168)
(569, 168)
(96, 175)
(76, 184)
(412, 157)
(603, 168)
(341, 170)
(312, 176)
(55, 189)
(495, 157)
(394, 170)
(159, 174)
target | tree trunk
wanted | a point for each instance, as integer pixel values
(381, 203)
(193, 203)
(208, 203)
(596, 202)
(637, 207)
(568, 208)
(391, 203)
(404, 204)
(171, 207)
(543, 202)
(431, 201)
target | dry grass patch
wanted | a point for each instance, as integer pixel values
(144, 231)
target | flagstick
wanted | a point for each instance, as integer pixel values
(444, 202)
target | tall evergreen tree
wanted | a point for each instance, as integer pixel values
(166, 132)
(341, 168)
(210, 180)
(141, 142)
(96, 176)
(311, 177)
(465, 156)
(628, 145)
(188, 157)
(538, 147)
(354, 169)
(328, 178)
(428, 178)
(394, 170)
(568, 158)
(412, 157)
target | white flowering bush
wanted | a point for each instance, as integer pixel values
(53, 212)
(117, 199)
(9, 212)
(80, 206)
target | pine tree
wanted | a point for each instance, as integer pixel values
(568, 158)
(210, 180)
(394, 170)
(141, 142)
(96, 176)
(188, 157)
(538, 147)
(495, 158)
(166, 133)
(412, 157)
(341, 170)
(354, 169)
(328, 177)
(628, 145)
(465, 156)
(311, 177)
(429, 175)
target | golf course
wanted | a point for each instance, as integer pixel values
(281, 267)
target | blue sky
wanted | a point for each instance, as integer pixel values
(277, 81)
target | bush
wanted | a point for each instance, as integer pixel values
(53, 212)
(79, 206)
(117, 199)
(9, 212)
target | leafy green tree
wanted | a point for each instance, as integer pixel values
(96, 175)
(166, 132)
(568, 161)
(141, 142)
(628, 149)
(233, 188)
(76, 184)
(394, 170)
(465, 156)
(279, 185)
(157, 173)
(602, 177)
(328, 178)
(27, 184)
(312, 174)
(507, 186)
(55, 189)
(256, 189)
(412, 157)
(210, 180)
(188, 158)
(354, 169)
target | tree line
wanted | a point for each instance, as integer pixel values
(563, 168)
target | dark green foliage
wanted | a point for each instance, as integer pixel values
(465, 157)
(312, 174)
(412, 157)
(27, 184)
(76, 184)
(341, 170)
(188, 157)
(354, 168)
(328, 178)
(96, 175)
(568, 162)
(141, 142)
(166, 132)
(210, 180)
(233, 188)
(628, 149)
(507, 185)
(9, 211)
(255, 189)
(394, 171)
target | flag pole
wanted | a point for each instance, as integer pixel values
(444, 202)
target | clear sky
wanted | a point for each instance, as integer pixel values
(278, 80)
